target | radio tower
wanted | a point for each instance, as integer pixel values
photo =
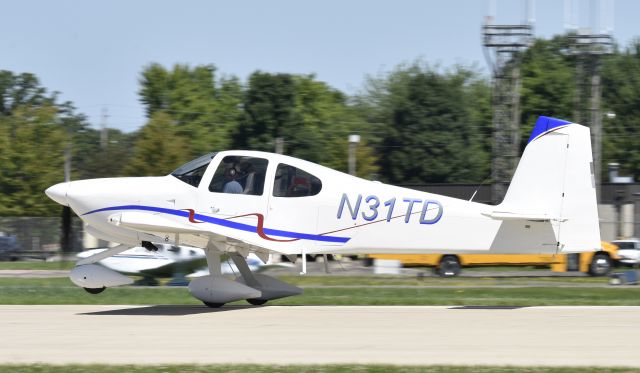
(503, 46)
(588, 46)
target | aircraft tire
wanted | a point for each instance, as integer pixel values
(257, 301)
(600, 265)
(213, 305)
(449, 266)
(94, 290)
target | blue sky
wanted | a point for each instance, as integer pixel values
(93, 52)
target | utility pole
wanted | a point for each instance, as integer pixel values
(104, 134)
(503, 46)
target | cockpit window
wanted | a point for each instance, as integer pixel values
(191, 172)
(240, 175)
(294, 182)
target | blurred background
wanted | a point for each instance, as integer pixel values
(438, 96)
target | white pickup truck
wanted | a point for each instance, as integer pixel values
(628, 251)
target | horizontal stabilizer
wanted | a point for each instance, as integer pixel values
(509, 215)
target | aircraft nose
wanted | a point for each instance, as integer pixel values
(58, 193)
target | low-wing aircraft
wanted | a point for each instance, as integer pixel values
(241, 202)
(176, 262)
(168, 261)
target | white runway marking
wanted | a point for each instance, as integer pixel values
(549, 336)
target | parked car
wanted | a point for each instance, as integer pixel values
(628, 251)
(9, 247)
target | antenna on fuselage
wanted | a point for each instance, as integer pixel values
(474, 194)
(478, 188)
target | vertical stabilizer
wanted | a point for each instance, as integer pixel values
(554, 181)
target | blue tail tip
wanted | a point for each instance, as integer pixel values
(545, 125)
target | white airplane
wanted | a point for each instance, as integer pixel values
(168, 261)
(229, 268)
(239, 202)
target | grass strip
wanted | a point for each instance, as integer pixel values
(336, 279)
(61, 291)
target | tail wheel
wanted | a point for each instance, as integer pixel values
(449, 266)
(257, 301)
(600, 265)
(213, 305)
(94, 290)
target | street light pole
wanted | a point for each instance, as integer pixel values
(279, 145)
(353, 143)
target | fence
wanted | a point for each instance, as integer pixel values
(39, 237)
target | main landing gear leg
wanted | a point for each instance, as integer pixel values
(248, 277)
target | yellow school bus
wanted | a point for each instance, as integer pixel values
(597, 263)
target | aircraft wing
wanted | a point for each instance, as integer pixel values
(97, 256)
(198, 234)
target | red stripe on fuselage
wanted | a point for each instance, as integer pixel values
(260, 228)
(192, 214)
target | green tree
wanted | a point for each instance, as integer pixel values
(21, 90)
(205, 111)
(269, 111)
(549, 88)
(548, 83)
(427, 125)
(35, 130)
(31, 155)
(158, 148)
(621, 95)
(313, 119)
(328, 120)
(92, 161)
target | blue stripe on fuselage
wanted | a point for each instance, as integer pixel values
(225, 223)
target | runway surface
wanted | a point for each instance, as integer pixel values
(32, 273)
(541, 336)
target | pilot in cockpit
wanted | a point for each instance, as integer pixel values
(232, 185)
